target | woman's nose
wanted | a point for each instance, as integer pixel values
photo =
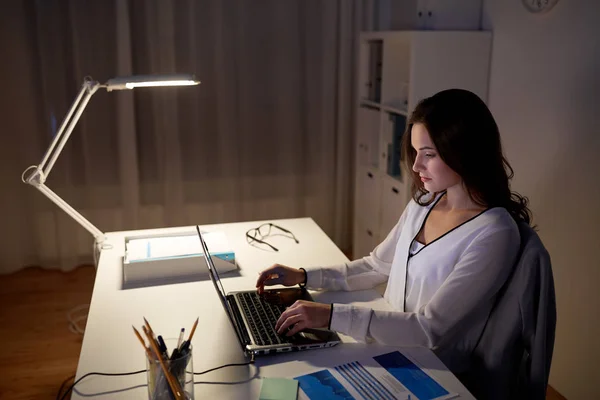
(417, 165)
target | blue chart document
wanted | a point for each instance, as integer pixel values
(323, 385)
(389, 376)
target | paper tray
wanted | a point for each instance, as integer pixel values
(150, 261)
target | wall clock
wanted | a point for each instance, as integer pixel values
(539, 6)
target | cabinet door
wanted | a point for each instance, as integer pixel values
(367, 136)
(368, 198)
(392, 205)
(449, 15)
(429, 14)
(365, 240)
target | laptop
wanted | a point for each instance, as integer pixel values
(253, 317)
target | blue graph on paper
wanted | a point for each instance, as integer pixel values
(411, 376)
(364, 382)
(365, 386)
(323, 385)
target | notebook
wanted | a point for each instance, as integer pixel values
(253, 316)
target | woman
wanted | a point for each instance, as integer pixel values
(449, 254)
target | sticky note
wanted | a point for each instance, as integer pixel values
(278, 389)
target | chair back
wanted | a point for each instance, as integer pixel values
(513, 355)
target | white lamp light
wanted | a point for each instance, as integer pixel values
(131, 82)
(39, 173)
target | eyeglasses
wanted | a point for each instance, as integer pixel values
(264, 230)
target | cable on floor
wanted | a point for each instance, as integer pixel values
(74, 319)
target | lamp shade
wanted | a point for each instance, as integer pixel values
(130, 82)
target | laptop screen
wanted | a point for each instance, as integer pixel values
(214, 277)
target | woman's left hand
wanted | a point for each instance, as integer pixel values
(301, 315)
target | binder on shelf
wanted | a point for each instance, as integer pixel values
(394, 151)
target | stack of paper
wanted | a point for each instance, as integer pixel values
(154, 248)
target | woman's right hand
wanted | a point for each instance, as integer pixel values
(278, 274)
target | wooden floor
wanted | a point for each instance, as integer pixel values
(40, 352)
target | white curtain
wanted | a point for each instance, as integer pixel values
(268, 133)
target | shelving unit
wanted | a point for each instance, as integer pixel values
(396, 70)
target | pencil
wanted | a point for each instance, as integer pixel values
(151, 337)
(173, 383)
(193, 330)
(147, 332)
(148, 326)
(142, 341)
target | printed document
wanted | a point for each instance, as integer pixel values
(385, 377)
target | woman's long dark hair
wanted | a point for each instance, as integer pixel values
(468, 140)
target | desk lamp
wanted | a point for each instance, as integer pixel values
(39, 173)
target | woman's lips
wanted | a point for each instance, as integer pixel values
(423, 179)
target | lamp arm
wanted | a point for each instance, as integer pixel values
(88, 88)
(40, 172)
(63, 124)
(72, 212)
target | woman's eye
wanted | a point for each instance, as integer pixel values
(429, 155)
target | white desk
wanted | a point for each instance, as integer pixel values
(109, 344)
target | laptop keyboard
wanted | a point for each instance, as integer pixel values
(262, 317)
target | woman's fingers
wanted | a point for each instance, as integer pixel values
(264, 275)
(290, 322)
(273, 279)
(301, 315)
(268, 277)
(288, 312)
(278, 274)
(297, 327)
(294, 314)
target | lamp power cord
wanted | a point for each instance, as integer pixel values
(70, 388)
(75, 319)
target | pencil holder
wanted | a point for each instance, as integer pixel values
(180, 367)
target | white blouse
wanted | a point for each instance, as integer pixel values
(442, 292)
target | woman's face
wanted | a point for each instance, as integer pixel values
(433, 171)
